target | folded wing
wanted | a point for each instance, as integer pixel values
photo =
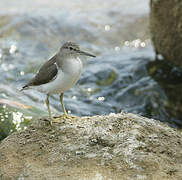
(47, 73)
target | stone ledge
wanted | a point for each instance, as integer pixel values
(117, 146)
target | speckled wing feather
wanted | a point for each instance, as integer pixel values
(46, 73)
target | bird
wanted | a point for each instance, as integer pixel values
(59, 74)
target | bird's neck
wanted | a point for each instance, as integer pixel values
(67, 62)
(62, 59)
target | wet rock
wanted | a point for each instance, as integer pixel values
(117, 146)
(166, 29)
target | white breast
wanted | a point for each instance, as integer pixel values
(66, 78)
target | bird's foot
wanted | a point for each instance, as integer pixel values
(59, 119)
(51, 120)
(56, 119)
(66, 116)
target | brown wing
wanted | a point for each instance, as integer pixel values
(46, 73)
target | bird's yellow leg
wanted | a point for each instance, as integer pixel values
(65, 114)
(48, 108)
(62, 104)
(57, 119)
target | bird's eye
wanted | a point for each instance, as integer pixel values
(71, 48)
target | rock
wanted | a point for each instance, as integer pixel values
(115, 147)
(166, 29)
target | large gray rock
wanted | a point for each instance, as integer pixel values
(166, 29)
(113, 147)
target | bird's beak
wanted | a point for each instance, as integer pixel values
(85, 53)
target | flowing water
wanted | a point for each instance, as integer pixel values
(119, 79)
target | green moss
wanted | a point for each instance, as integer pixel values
(14, 119)
(6, 123)
(109, 80)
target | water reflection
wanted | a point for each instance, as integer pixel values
(107, 28)
(101, 98)
(22, 73)
(12, 49)
(137, 43)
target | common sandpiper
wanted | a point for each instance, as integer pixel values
(59, 74)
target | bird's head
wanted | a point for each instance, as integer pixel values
(72, 49)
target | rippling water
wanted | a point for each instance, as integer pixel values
(118, 79)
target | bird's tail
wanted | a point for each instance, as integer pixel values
(24, 88)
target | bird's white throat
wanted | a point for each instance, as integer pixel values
(72, 65)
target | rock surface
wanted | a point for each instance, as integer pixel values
(113, 147)
(166, 29)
